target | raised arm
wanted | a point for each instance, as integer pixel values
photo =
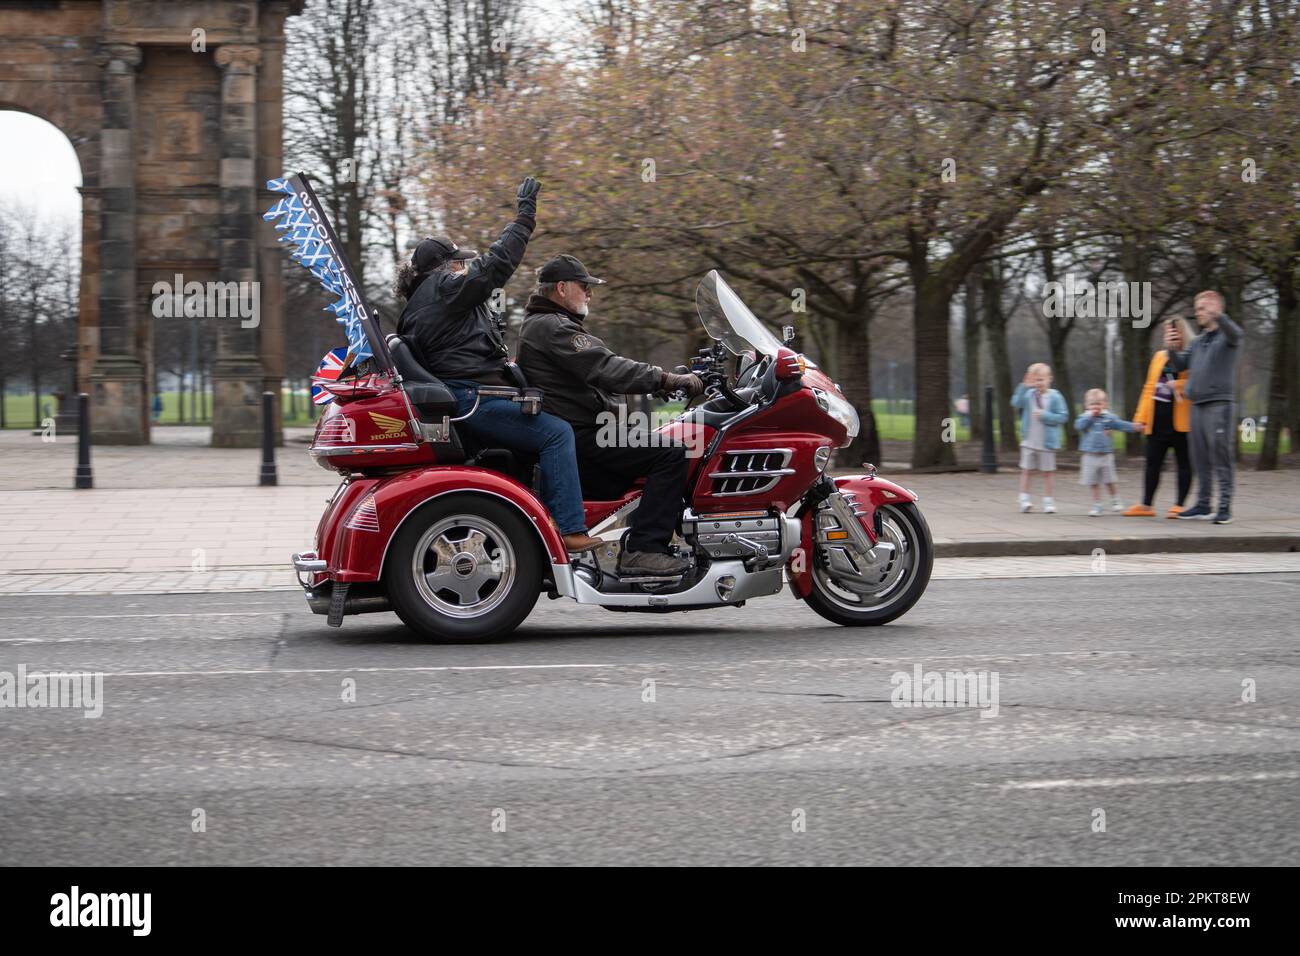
(493, 269)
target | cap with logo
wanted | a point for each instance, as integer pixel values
(433, 251)
(566, 269)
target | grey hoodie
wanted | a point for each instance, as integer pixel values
(1211, 364)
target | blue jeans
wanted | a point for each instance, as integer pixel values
(501, 422)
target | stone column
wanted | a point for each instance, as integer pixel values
(236, 371)
(270, 165)
(120, 400)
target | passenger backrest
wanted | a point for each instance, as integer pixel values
(431, 398)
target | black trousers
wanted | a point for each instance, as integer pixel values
(607, 473)
(1157, 446)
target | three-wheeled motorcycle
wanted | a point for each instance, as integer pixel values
(455, 539)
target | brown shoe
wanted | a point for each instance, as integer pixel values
(1174, 511)
(1140, 511)
(580, 541)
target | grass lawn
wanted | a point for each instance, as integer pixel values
(898, 425)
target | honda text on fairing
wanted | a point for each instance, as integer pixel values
(455, 539)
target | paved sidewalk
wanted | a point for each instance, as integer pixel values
(185, 516)
(180, 457)
(976, 515)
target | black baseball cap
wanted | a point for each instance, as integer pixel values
(435, 250)
(566, 269)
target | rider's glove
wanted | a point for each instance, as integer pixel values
(691, 384)
(526, 197)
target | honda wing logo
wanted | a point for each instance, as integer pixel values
(389, 427)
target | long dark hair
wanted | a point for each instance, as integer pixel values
(408, 280)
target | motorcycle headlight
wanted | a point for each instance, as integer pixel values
(835, 405)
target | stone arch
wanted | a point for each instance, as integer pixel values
(176, 134)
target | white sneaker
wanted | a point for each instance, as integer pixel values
(1116, 505)
(1049, 506)
(1096, 511)
(1026, 504)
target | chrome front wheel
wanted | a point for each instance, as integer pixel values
(853, 588)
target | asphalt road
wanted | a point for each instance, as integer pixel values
(1117, 694)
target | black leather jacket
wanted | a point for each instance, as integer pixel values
(577, 372)
(448, 319)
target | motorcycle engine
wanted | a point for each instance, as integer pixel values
(735, 534)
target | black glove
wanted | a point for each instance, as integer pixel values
(690, 383)
(526, 197)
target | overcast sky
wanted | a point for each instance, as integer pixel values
(38, 167)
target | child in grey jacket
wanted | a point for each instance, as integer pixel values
(1097, 461)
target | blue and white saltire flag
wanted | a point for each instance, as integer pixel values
(303, 224)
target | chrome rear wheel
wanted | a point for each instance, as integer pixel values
(464, 568)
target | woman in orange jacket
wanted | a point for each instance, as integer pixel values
(1166, 416)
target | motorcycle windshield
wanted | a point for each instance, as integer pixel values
(729, 321)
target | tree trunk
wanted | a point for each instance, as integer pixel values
(1293, 383)
(971, 334)
(995, 328)
(1283, 362)
(1058, 333)
(1234, 295)
(930, 346)
(854, 378)
(1134, 260)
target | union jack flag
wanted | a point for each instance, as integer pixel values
(331, 366)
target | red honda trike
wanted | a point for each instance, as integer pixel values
(455, 540)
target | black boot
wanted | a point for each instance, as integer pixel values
(632, 563)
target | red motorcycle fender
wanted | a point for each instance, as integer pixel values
(871, 492)
(363, 542)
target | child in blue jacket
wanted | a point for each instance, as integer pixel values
(1042, 413)
(1097, 463)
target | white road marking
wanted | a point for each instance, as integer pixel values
(1085, 783)
(1114, 565)
(106, 617)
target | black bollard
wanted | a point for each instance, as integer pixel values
(85, 479)
(268, 439)
(989, 458)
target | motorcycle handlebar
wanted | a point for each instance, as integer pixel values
(718, 380)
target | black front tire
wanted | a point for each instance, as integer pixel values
(834, 608)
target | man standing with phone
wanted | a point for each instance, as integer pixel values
(1211, 365)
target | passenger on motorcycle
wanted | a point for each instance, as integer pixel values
(453, 333)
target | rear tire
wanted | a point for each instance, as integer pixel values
(904, 526)
(463, 569)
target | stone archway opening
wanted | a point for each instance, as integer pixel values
(40, 271)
